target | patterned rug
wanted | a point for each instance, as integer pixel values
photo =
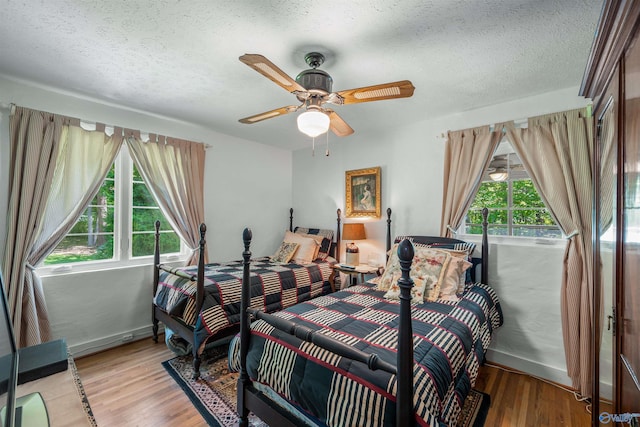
(81, 392)
(214, 394)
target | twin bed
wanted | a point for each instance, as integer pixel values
(202, 303)
(354, 357)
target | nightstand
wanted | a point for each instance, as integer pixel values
(361, 269)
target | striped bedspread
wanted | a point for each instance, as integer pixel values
(450, 340)
(274, 286)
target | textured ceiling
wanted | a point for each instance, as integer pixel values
(180, 58)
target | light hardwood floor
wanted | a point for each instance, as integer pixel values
(127, 386)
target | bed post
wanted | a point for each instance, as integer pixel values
(404, 377)
(291, 219)
(243, 379)
(484, 272)
(199, 300)
(156, 276)
(338, 212)
(388, 232)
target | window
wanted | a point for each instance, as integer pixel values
(92, 237)
(123, 211)
(145, 212)
(515, 207)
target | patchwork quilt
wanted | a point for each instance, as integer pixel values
(274, 286)
(450, 340)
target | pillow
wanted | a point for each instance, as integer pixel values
(324, 244)
(285, 252)
(458, 253)
(375, 280)
(455, 273)
(427, 270)
(469, 247)
(436, 242)
(306, 251)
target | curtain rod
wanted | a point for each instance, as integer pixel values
(89, 125)
(519, 123)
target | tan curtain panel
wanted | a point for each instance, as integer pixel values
(72, 164)
(173, 170)
(467, 155)
(556, 150)
(34, 139)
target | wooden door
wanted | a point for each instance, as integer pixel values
(629, 289)
(606, 265)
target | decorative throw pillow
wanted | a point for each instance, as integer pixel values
(427, 270)
(285, 252)
(454, 274)
(325, 243)
(457, 253)
(306, 251)
(469, 247)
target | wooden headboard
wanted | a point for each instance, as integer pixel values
(482, 261)
(334, 251)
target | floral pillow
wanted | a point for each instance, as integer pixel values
(427, 271)
(285, 252)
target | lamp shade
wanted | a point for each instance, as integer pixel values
(313, 123)
(353, 231)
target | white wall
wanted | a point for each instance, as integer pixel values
(246, 184)
(526, 278)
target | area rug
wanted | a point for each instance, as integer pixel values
(81, 393)
(214, 394)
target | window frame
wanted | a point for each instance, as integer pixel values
(122, 228)
(504, 147)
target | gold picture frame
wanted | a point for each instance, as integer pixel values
(362, 193)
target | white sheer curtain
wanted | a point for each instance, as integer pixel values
(83, 162)
(173, 170)
(556, 151)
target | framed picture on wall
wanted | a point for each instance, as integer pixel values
(362, 193)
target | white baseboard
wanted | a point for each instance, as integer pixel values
(94, 346)
(538, 369)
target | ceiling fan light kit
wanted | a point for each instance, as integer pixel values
(313, 88)
(499, 175)
(313, 123)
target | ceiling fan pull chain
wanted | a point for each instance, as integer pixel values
(313, 146)
(327, 152)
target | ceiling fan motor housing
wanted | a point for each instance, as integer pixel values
(315, 80)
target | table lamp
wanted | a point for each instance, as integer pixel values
(352, 231)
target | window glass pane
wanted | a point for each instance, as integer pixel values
(554, 233)
(532, 217)
(491, 195)
(144, 219)
(143, 244)
(142, 196)
(525, 195)
(79, 248)
(515, 207)
(145, 213)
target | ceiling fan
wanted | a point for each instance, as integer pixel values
(312, 87)
(503, 164)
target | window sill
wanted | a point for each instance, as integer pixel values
(82, 268)
(514, 241)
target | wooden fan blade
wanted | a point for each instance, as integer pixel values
(269, 114)
(337, 125)
(401, 89)
(270, 71)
